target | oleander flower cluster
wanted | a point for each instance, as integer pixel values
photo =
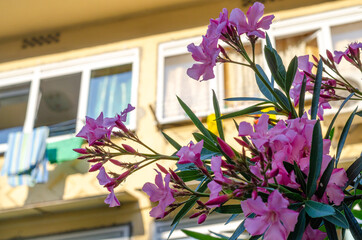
(280, 171)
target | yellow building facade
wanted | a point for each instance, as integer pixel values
(53, 52)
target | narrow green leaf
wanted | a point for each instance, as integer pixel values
(335, 116)
(229, 209)
(208, 144)
(359, 113)
(292, 69)
(317, 209)
(171, 141)
(189, 175)
(325, 179)
(288, 166)
(316, 90)
(299, 228)
(344, 134)
(255, 237)
(302, 97)
(232, 217)
(238, 231)
(354, 170)
(300, 177)
(190, 203)
(199, 236)
(337, 219)
(247, 99)
(273, 66)
(219, 235)
(245, 111)
(331, 134)
(331, 230)
(352, 222)
(217, 116)
(284, 99)
(194, 119)
(264, 89)
(316, 157)
(291, 195)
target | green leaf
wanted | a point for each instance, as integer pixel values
(271, 59)
(288, 166)
(325, 179)
(317, 209)
(291, 195)
(299, 228)
(331, 134)
(344, 134)
(208, 144)
(337, 219)
(292, 69)
(190, 203)
(300, 177)
(302, 97)
(352, 222)
(232, 217)
(316, 157)
(238, 231)
(217, 116)
(229, 209)
(194, 119)
(331, 230)
(247, 110)
(335, 116)
(316, 90)
(359, 113)
(199, 236)
(189, 175)
(247, 99)
(264, 89)
(284, 99)
(354, 170)
(171, 141)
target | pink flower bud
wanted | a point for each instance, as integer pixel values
(218, 200)
(241, 142)
(94, 160)
(121, 126)
(123, 175)
(162, 169)
(254, 194)
(129, 148)
(255, 159)
(83, 157)
(95, 167)
(202, 218)
(118, 163)
(226, 148)
(273, 173)
(330, 56)
(195, 215)
(175, 176)
(80, 150)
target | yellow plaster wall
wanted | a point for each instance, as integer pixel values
(69, 181)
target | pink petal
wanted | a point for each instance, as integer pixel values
(256, 226)
(256, 206)
(265, 22)
(289, 218)
(275, 231)
(262, 125)
(339, 177)
(245, 129)
(276, 201)
(254, 13)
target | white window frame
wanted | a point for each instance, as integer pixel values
(124, 229)
(175, 48)
(322, 24)
(81, 65)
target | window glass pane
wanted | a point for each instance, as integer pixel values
(304, 44)
(58, 103)
(109, 90)
(176, 82)
(341, 36)
(13, 104)
(239, 81)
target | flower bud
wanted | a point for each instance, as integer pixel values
(218, 200)
(123, 176)
(162, 169)
(95, 167)
(118, 163)
(254, 194)
(202, 218)
(226, 148)
(80, 150)
(121, 126)
(129, 148)
(241, 142)
(195, 215)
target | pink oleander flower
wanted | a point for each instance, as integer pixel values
(334, 190)
(253, 25)
(161, 193)
(191, 153)
(112, 200)
(95, 129)
(119, 119)
(109, 183)
(352, 50)
(207, 55)
(273, 219)
(313, 234)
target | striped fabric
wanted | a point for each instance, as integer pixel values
(25, 160)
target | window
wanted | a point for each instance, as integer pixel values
(173, 62)
(60, 95)
(112, 233)
(315, 34)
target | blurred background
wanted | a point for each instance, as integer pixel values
(63, 60)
